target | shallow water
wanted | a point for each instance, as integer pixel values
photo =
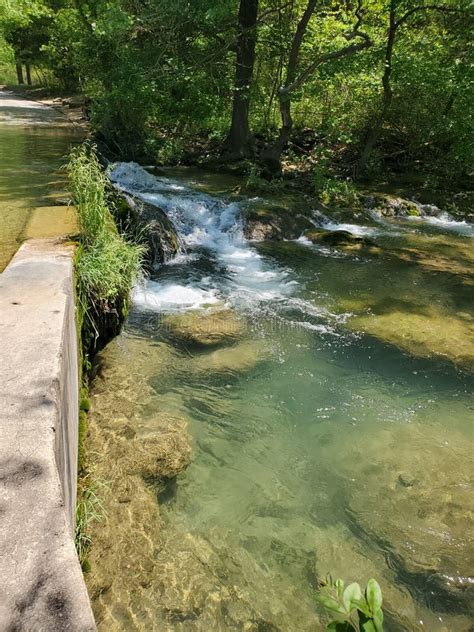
(34, 143)
(331, 431)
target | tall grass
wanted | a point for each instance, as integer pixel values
(107, 263)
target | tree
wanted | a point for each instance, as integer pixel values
(271, 156)
(238, 143)
(376, 125)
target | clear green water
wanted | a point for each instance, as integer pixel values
(317, 447)
(33, 149)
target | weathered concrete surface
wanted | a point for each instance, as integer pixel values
(41, 586)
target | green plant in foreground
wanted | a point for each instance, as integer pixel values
(356, 611)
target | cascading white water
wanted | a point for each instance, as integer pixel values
(207, 224)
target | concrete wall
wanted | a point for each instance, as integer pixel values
(41, 583)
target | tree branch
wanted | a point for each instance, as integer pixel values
(427, 7)
(342, 52)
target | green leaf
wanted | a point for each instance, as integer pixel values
(378, 620)
(363, 606)
(330, 604)
(339, 586)
(367, 626)
(373, 595)
(351, 596)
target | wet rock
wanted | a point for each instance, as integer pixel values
(150, 224)
(270, 222)
(341, 238)
(205, 327)
(392, 206)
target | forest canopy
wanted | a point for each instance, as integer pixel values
(361, 88)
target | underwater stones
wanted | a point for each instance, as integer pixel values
(419, 508)
(430, 332)
(239, 358)
(271, 222)
(205, 327)
(163, 456)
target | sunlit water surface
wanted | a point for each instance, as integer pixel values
(317, 447)
(34, 144)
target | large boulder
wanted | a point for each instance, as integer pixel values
(262, 222)
(392, 205)
(341, 238)
(150, 224)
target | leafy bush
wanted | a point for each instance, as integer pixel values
(356, 612)
(331, 190)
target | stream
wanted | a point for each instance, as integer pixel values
(35, 141)
(327, 397)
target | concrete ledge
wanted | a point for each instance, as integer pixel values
(41, 585)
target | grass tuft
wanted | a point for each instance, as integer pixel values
(107, 262)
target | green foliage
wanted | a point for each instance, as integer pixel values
(330, 190)
(161, 72)
(106, 263)
(356, 612)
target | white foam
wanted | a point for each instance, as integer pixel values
(445, 221)
(131, 177)
(355, 229)
(203, 221)
(172, 297)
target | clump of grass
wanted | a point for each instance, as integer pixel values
(89, 509)
(107, 262)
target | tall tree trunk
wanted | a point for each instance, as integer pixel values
(375, 129)
(238, 143)
(28, 74)
(19, 72)
(271, 155)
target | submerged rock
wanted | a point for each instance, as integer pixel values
(419, 507)
(341, 238)
(428, 333)
(162, 456)
(239, 358)
(135, 449)
(205, 327)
